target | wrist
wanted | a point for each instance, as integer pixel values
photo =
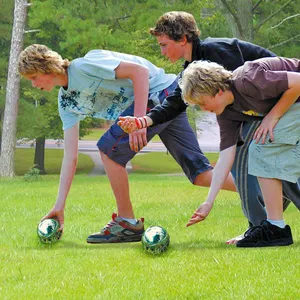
(59, 206)
(209, 202)
(149, 121)
(143, 122)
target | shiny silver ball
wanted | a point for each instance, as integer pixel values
(47, 231)
(155, 240)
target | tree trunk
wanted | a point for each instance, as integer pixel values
(240, 18)
(12, 92)
(39, 155)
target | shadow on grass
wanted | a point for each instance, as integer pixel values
(178, 246)
(213, 244)
(200, 244)
(65, 244)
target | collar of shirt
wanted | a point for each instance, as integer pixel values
(196, 52)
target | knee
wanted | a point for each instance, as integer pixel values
(203, 179)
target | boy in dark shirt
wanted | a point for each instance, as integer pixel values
(178, 36)
(266, 89)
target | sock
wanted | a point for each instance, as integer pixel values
(278, 223)
(131, 221)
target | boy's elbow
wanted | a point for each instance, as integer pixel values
(143, 71)
(71, 160)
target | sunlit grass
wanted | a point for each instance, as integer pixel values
(198, 264)
(161, 163)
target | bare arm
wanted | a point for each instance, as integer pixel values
(139, 76)
(287, 99)
(67, 172)
(220, 174)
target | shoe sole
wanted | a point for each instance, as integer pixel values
(283, 242)
(130, 239)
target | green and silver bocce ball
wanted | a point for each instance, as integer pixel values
(155, 240)
(47, 231)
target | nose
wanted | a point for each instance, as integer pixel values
(163, 51)
(33, 83)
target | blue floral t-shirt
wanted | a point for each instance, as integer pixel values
(93, 89)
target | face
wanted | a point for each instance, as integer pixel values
(171, 49)
(212, 104)
(44, 82)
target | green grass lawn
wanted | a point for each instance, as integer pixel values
(161, 163)
(53, 157)
(155, 162)
(198, 264)
(94, 135)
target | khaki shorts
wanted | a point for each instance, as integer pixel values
(279, 159)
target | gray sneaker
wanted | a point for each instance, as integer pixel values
(118, 231)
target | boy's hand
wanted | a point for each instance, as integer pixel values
(200, 214)
(138, 139)
(128, 124)
(266, 127)
(56, 214)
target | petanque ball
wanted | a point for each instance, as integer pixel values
(155, 240)
(47, 231)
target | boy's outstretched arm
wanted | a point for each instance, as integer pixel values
(220, 174)
(67, 172)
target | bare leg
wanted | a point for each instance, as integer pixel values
(118, 179)
(272, 193)
(204, 179)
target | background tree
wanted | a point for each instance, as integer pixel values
(12, 92)
(274, 24)
(6, 20)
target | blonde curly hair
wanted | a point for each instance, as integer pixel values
(203, 78)
(38, 58)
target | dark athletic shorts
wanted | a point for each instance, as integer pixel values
(177, 135)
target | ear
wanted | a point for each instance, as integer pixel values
(183, 41)
(220, 93)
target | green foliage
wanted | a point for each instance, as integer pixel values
(32, 175)
(31, 120)
(275, 23)
(119, 26)
(278, 32)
